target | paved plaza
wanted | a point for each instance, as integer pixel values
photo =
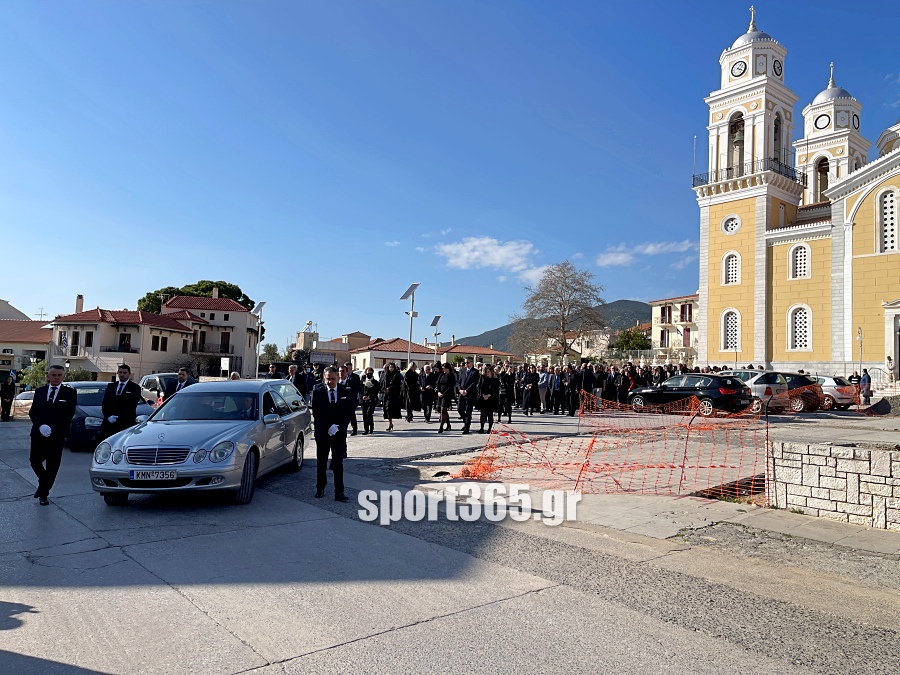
(290, 584)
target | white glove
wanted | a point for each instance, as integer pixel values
(112, 419)
(45, 431)
(332, 430)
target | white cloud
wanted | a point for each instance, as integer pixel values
(487, 252)
(533, 275)
(392, 244)
(501, 278)
(683, 262)
(615, 256)
(578, 255)
(420, 249)
(444, 233)
(657, 247)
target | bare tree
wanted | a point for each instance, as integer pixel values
(565, 306)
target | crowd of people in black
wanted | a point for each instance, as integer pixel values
(492, 391)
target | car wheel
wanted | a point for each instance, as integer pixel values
(829, 403)
(244, 495)
(637, 404)
(297, 460)
(756, 407)
(798, 404)
(706, 407)
(115, 498)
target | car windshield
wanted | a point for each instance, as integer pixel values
(226, 405)
(841, 381)
(91, 395)
(744, 375)
(800, 380)
(731, 382)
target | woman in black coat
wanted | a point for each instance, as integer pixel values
(412, 392)
(507, 395)
(369, 386)
(531, 399)
(445, 388)
(391, 383)
(7, 396)
(488, 397)
(428, 379)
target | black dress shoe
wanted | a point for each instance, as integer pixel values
(353, 433)
(37, 494)
(341, 497)
(320, 494)
(45, 501)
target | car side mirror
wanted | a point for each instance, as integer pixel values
(140, 419)
(662, 386)
(271, 419)
(295, 404)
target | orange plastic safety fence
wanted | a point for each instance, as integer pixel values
(657, 450)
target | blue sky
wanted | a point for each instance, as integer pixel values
(325, 155)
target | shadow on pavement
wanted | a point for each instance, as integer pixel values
(19, 664)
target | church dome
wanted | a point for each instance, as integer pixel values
(832, 92)
(753, 34)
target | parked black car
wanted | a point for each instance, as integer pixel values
(84, 432)
(810, 395)
(714, 391)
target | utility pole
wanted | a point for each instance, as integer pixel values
(411, 294)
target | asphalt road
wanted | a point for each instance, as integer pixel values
(291, 584)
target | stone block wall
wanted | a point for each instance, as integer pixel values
(850, 484)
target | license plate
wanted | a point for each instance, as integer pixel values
(153, 475)
(745, 401)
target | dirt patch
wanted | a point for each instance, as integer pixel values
(877, 570)
(889, 406)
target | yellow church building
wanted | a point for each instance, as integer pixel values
(799, 261)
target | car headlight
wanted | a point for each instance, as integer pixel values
(93, 422)
(200, 455)
(102, 453)
(117, 456)
(221, 451)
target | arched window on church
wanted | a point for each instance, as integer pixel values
(799, 324)
(799, 262)
(731, 269)
(736, 146)
(887, 208)
(821, 179)
(776, 139)
(731, 331)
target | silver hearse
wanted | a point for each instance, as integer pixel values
(209, 436)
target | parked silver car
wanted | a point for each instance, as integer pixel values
(211, 436)
(763, 385)
(838, 391)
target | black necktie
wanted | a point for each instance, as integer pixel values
(121, 387)
(52, 398)
(331, 396)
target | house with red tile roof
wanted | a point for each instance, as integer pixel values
(21, 341)
(379, 352)
(191, 332)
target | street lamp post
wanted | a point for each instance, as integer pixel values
(859, 336)
(257, 312)
(434, 324)
(411, 294)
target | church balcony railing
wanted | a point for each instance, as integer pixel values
(747, 168)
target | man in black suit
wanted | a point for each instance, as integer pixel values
(177, 385)
(51, 414)
(467, 392)
(298, 380)
(351, 380)
(331, 416)
(120, 402)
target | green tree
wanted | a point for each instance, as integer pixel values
(79, 374)
(35, 375)
(152, 301)
(270, 353)
(633, 339)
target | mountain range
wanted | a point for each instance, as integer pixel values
(618, 314)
